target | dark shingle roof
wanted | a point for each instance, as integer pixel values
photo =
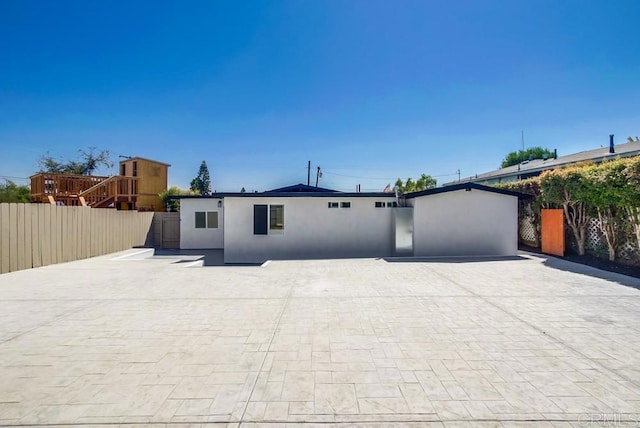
(539, 165)
(299, 188)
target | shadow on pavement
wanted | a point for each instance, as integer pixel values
(573, 267)
(208, 257)
(466, 259)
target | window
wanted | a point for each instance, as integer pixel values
(276, 218)
(392, 204)
(123, 169)
(135, 168)
(208, 220)
(379, 204)
(259, 219)
(212, 220)
(333, 205)
(345, 204)
(201, 220)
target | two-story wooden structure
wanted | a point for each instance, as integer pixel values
(135, 188)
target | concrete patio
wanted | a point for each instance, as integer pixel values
(353, 342)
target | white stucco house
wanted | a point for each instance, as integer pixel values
(304, 222)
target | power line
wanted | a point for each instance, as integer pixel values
(9, 177)
(381, 178)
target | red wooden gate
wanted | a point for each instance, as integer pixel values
(553, 232)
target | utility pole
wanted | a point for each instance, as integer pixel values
(458, 172)
(318, 175)
(308, 173)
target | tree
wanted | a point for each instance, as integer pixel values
(515, 158)
(566, 188)
(423, 183)
(172, 205)
(89, 161)
(201, 185)
(243, 190)
(632, 197)
(607, 193)
(14, 193)
(529, 207)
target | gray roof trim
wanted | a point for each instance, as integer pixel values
(465, 186)
(288, 195)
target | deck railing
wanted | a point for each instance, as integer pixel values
(72, 189)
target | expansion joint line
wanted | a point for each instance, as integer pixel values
(266, 354)
(59, 317)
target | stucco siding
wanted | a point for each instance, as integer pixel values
(311, 229)
(192, 238)
(465, 223)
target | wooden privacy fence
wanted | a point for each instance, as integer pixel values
(34, 235)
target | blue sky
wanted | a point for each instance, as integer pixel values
(368, 90)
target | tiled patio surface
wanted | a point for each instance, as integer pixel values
(345, 342)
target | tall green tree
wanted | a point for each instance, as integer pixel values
(515, 158)
(423, 183)
(172, 205)
(201, 185)
(89, 161)
(14, 193)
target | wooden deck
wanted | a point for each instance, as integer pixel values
(85, 190)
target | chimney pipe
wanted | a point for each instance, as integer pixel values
(611, 148)
(555, 153)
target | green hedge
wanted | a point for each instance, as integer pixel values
(609, 191)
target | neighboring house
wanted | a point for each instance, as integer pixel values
(535, 167)
(301, 222)
(136, 188)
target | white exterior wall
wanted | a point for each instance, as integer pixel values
(462, 223)
(311, 230)
(192, 238)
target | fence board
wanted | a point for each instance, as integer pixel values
(36, 254)
(28, 248)
(4, 235)
(56, 239)
(13, 237)
(85, 230)
(45, 229)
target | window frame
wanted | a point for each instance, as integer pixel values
(204, 222)
(217, 217)
(200, 220)
(274, 228)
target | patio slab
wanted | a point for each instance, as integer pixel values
(367, 342)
